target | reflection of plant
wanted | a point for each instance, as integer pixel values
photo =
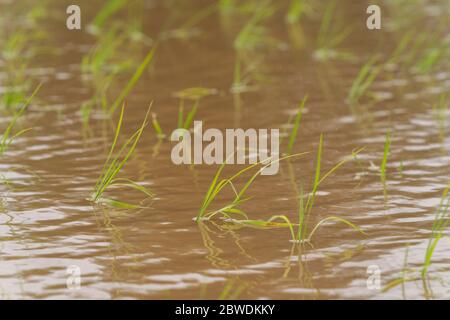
(387, 150)
(253, 33)
(114, 163)
(296, 125)
(440, 110)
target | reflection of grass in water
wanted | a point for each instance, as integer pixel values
(232, 290)
(440, 110)
(8, 136)
(422, 52)
(387, 150)
(114, 164)
(107, 11)
(217, 186)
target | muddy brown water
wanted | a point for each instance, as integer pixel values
(47, 225)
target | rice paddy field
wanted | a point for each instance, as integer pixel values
(359, 207)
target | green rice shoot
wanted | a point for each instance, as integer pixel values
(113, 165)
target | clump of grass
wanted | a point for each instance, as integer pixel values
(8, 136)
(253, 33)
(134, 79)
(114, 163)
(217, 186)
(194, 94)
(108, 10)
(157, 126)
(387, 150)
(421, 52)
(331, 36)
(295, 11)
(296, 125)
(100, 64)
(440, 223)
(305, 209)
(366, 76)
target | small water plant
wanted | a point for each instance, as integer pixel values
(194, 94)
(330, 36)
(364, 79)
(217, 186)
(8, 136)
(295, 11)
(253, 34)
(296, 125)
(303, 235)
(440, 223)
(232, 210)
(113, 165)
(133, 80)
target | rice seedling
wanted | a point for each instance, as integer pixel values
(107, 11)
(440, 110)
(157, 126)
(331, 36)
(305, 209)
(113, 165)
(400, 48)
(134, 79)
(441, 221)
(253, 34)
(8, 136)
(232, 290)
(366, 76)
(194, 94)
(387, 150)
(100, 59)
(297, 120)
(295, 11)
(275, 221)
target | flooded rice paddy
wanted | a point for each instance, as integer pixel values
(254, 62)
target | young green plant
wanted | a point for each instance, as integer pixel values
(365, 78)
(8, 136)
(113, 165)
(296, 125)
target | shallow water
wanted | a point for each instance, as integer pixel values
(47, 224)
